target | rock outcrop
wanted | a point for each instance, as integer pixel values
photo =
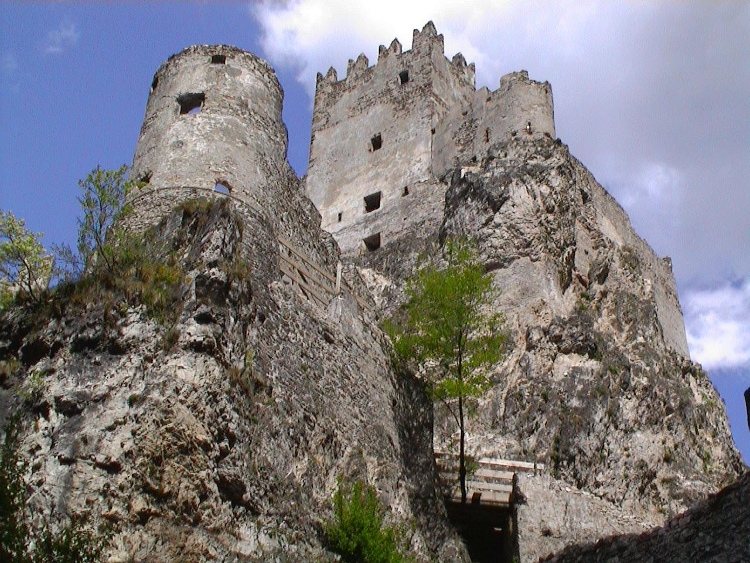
(222, 435)
(219, 428)
(716, 529)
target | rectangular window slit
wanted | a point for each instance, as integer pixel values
(218, 59)
(403, 76)
(340, 216)
(372, 202)
(376, 142)
(372, 242)
(405, 192)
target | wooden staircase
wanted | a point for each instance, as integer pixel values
(489, 482)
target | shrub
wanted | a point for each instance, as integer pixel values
(358, 532)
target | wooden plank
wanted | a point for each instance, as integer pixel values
(308, 282)
(304, 257)
(509, 465)
(305, 286)
(502, 464)
(485, 474)
(489, 486)
(485, 498)
(307, 273)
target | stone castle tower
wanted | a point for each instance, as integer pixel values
(212, 126)
(384, 135)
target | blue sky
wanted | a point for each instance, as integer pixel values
(650, 96)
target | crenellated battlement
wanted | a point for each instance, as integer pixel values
(386, 130)
(427, 49)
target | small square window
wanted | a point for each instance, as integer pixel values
(218, 59)
(376, 142)
(372, 202)
(403, 76)
(191, 103)
(372, 242)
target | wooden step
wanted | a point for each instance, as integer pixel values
(489, 486)
(492, 475)
(483, 497)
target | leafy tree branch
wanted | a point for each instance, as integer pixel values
(445, 329)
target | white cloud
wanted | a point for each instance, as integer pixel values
(66, 35)
(718, 325)
(312, 35)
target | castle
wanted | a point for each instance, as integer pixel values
(382, 137)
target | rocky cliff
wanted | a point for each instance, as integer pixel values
(716, 529)
(599, 384)
(221, 432)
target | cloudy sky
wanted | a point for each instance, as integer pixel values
(653, 97)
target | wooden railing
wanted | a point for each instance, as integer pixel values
(488, 481)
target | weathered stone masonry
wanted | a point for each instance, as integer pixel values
(383, 136)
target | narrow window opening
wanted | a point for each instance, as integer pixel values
(403, 76)
(405, 191)
(376, 142)
(222, 188)
(145, 179)
(372, 242)
(528, 127)
(372, 202)
(154, 83)
(340, 216)
(486, 135)
(218, 59)
(191, 103)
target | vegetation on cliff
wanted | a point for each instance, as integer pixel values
(445, 329)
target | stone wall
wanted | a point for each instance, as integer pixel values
(714, 530)
(410, 118)
(372, 131)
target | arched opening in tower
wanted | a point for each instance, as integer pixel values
(223, 188)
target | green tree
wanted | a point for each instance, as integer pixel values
(25, 267)
(102, 203)
(445, 329)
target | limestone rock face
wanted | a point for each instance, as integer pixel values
(598, 384)
(714, 530)
(224, 435)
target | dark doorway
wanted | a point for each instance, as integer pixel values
(489, 533)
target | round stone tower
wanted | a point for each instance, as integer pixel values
(212, 125)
